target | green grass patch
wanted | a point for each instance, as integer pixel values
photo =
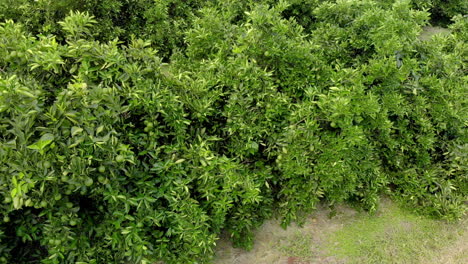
(394, 236)
(299, 245)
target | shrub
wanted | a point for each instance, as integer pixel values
(163, 21)
(109, 155)
(443, 11)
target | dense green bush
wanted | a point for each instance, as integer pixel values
(161, 21)
(443, 10)
(109, 155)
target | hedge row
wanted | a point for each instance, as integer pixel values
(164, 22)
(110, 155)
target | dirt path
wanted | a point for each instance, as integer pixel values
(274, 245)
(390, 236)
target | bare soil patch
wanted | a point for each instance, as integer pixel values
(389, 236)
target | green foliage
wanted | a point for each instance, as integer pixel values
(161, 21)
(109, 155)
(443, 9)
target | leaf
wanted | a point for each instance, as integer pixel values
(101, 140)
(17, 202)
(13, 192)
(45, 140)
(99, 129)
(179, 161)
(76, 130)
(254, 146)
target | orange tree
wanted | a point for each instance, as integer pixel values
(109, 155)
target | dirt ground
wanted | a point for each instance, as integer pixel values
(315, 242)
(430, 31)
(275, 245)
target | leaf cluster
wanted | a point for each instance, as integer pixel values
(109, 154)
